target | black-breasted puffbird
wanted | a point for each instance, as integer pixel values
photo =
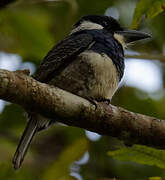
(89, 62)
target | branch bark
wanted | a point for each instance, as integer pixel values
(52, 102)
(160, 57)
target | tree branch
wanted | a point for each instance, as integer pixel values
(72, 110)
(147, 56)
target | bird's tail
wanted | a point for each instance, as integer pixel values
(24, 143)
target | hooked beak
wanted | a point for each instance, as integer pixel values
(133, 35)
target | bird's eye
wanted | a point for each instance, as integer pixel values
(105, 23)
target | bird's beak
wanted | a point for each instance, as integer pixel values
(133, 35)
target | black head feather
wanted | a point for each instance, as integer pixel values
(107, 22)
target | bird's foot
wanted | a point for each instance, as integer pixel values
(107, 101)
(93, 101)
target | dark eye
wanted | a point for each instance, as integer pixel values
(105, 23)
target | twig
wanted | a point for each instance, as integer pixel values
(147, 56)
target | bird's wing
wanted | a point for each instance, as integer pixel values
(61, 55)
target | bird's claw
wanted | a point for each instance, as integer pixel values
(93, 101)
(107, 101)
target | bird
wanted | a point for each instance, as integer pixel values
(89, 63)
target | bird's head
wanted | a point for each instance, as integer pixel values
(124, 36)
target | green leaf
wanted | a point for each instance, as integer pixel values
(60, 168)
(140, 154)
(150, 8)
(12, 116)
(7, 173)
(26, 32)
(155, 178)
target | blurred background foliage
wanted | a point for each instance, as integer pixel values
(28, 30)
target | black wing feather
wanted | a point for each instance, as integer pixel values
(61, 55)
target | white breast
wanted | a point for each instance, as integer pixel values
(89, 75)
(106, 79)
